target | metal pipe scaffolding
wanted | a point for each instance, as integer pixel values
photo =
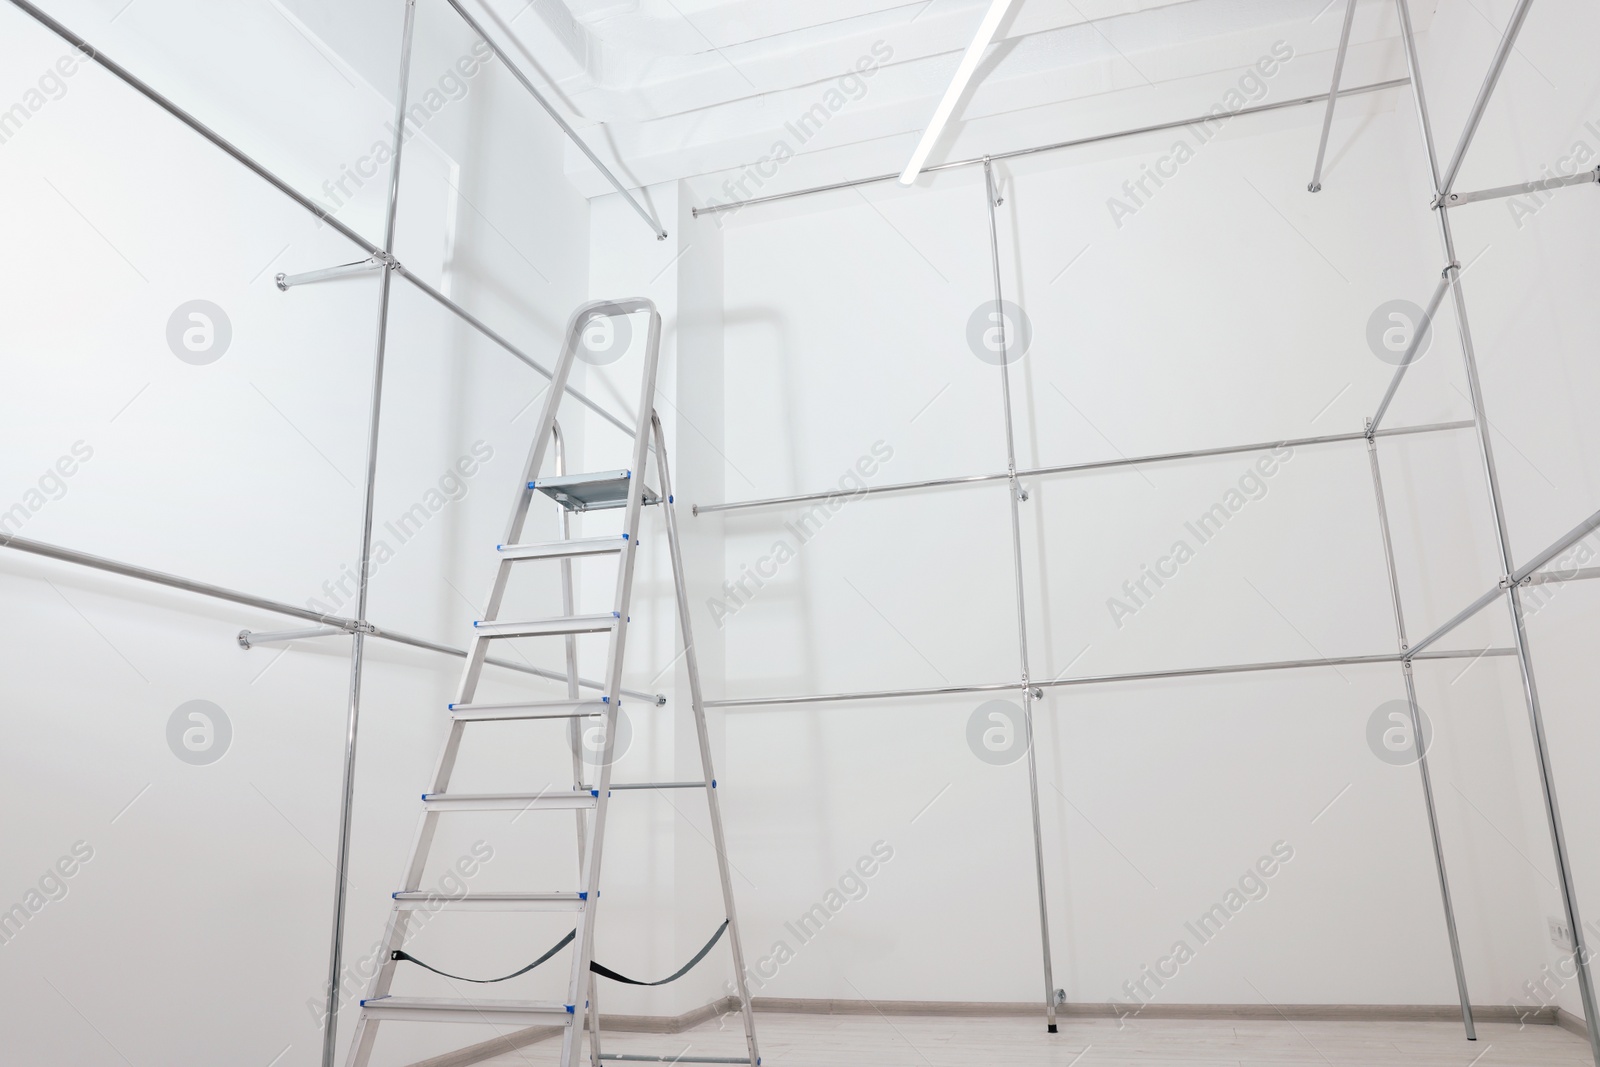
(996, 157)
(1315, 185)
(1511, 582)
(1105, 679)
(183, 116)
(1015, 497)
(358, 644)
(1076, 468)
(277, 607)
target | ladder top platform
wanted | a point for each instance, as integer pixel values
(591, 492)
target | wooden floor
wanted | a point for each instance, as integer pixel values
(909, 1041)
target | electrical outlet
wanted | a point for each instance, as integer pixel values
(1560, 933)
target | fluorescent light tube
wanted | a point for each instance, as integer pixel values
(958, 85)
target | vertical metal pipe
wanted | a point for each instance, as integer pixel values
(1414, 69)
(1530, 690)
(1422, 753)
(1333, 94)
(1014, 488)
(1490, 80)
(347, 795)
(691, 665)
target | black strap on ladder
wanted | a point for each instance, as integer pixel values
(598, 968)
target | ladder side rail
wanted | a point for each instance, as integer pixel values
(575, 726)
(584, 949)
(382, 980)
(691, 664)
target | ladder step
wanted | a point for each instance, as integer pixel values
(564, 800)
(631, 1058)
(538, 709)
(491, 902)
(582, 546)
(660, 785)
(440, 1010)
(561, 624)
(591, 492)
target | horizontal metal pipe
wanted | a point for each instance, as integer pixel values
(877, 694)
(1517, 577)
(145, 574)
(360, 266)
(1588, 177)
(1520, 575)
(712, 209)
(1567, 540)
(482, 327)
(1419, 334)
(1581, 574)
(232, 596)
(298, 197)
(572, 135)
(1105, 679)
(871, 490)
(1074, 468)
(1228, 450)
(193, 123)
(252, 638)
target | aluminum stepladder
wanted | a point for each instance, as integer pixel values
(590, 801)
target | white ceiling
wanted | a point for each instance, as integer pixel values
(666, 89)
(678, 88)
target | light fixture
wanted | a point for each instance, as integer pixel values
(958, 85)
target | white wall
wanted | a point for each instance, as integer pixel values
(1231, 306)
(198, 930)
(797, 337)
